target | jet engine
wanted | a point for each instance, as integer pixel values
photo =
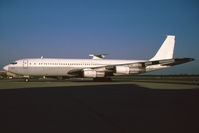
(130, 69)
(122, 70)
(89, 73)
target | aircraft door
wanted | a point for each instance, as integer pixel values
(25, 63)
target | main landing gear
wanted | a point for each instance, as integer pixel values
(27, 80)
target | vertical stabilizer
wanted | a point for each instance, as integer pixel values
(166, 50)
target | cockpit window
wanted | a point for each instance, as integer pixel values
(14, 63)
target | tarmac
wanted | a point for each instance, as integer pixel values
(98, 107)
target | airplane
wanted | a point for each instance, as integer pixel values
(96, 68)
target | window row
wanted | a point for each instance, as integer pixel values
(89, 64)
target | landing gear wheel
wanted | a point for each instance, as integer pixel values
(27, 80)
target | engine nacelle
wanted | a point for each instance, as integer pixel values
(122, 70)
(89, 73)
(125, 70)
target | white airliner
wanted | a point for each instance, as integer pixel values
(96, 68)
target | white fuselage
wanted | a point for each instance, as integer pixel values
(58, 67)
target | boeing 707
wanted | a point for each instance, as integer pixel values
(96, 68)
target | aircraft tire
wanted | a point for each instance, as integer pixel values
(27, 80)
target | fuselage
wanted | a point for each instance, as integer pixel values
(58, 67)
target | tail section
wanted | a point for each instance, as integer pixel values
(166, 50)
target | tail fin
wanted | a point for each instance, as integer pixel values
(166, 50)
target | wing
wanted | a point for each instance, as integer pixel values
(111, 68)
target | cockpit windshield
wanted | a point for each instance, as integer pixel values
(13, 63)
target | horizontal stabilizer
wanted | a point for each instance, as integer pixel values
(178, 61)
(169, 62)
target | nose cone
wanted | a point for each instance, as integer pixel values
(5, 68)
